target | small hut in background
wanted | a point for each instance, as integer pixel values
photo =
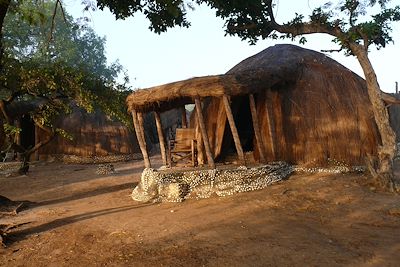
(94, 134)
(284, 103)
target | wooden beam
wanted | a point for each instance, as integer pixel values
(256, 127)
(138, 123)
(184, 119)
(203, 132)
(271, 126)
(141, 127)
(234, 131)
(36, 153)
(161, 138)
(200, 143)
(17, 139)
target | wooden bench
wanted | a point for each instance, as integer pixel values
(183, 147)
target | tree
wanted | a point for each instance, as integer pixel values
(43, 71)
(348, 21)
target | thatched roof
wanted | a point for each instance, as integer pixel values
(279, 64)
(172, 95)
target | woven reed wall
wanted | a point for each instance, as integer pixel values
(94, 135)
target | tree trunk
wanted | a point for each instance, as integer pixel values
(4, 4)
(26, 153)
(2, 134)
(387, 150)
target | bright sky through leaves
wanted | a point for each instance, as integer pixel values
(202, 49)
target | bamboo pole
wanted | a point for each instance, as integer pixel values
(184, 119)
(271, 127)
(256, 127)
(203, 132)
(234, 131)
(137, 122)
(161, 138)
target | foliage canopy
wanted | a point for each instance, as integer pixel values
(44, 71)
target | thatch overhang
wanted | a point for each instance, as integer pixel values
(172, 95)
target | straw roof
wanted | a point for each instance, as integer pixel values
(172, 95)
(277, 64)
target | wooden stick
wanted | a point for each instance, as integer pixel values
(203, 132)
(256, 127)
(200, 144)
(184, 119)
(18, 138)
(271, 127)
(36, 153)
(137, 121)
(141, 127)
(161, 138)
(234, 131)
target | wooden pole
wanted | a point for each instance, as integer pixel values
(161, 138)
(200, 144)
(256, 127)
(184, 119)
(203, 132)
(271, 127)
(141, 127)
(234, 131)
(36, 154)
(18, 138)
(137, 122)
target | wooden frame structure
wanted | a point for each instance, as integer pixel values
(184, 146)
(167, 156)
(300, 103)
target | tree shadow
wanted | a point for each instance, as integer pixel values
(19, 235)
(86, 194)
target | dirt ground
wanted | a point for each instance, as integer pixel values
(81, 218)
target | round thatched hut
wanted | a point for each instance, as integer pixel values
(284, 103)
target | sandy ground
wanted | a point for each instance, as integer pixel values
(84, 219)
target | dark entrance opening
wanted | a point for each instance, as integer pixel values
(241, 112)
(27, 133)
(243, 121)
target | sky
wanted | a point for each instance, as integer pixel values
(203, 49)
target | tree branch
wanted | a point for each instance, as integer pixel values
(53, 18)
(3, 111)
(332, 50)
(310, 28)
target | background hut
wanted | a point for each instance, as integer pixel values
(284, 103)
(94, 134)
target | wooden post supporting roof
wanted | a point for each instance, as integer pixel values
(271, 126)
(203, 132)
(234, 130)
(256, 127)
(184, 119)
(36, 153)
(161, 138)
(138, 124)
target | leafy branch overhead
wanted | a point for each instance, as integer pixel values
(254, 19)
(52, 72)
(43, 73)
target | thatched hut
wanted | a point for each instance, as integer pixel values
(284, 103)
(94, 135)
